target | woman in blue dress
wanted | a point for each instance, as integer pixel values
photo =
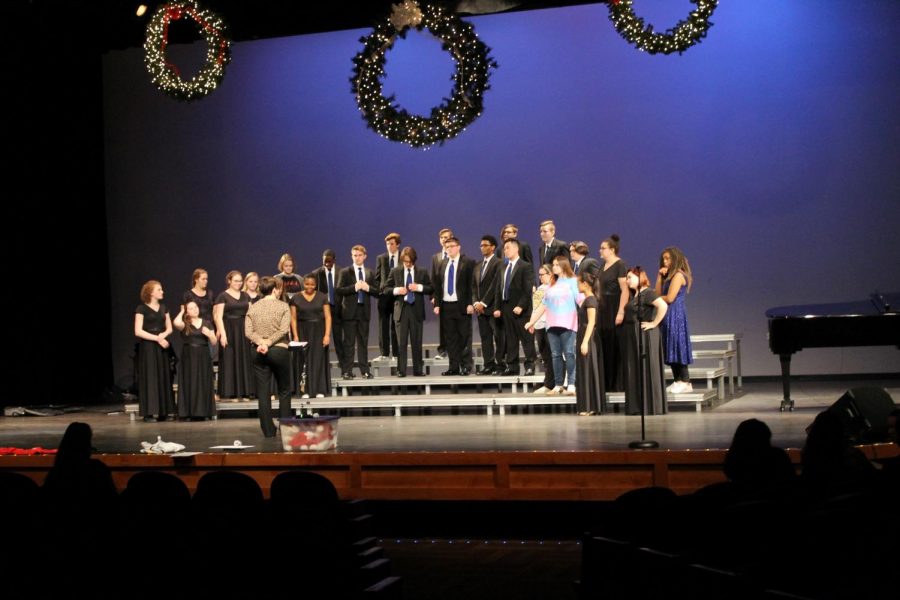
(672, 285)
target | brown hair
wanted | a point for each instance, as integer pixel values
(678, 263)
(187, 320)
(147, 290)
(613, 243)
(410, 252)
(359, 248)
(231, 275)
(565, 265)
(580, 247)
(392, 236)
(196, 276)
(268, 284)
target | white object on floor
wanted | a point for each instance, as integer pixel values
(161, 447)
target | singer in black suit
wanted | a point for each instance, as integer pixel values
(327, 277)
(384, 264)
(355, 292)
(550, 246)
(484, 291)
(436, 259)
(453, 304)
(581, 261)
(408, 285)
(511, 232)
(512, 303)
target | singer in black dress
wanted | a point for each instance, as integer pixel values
(643, 314)
(201, 294)
(196, 393)
(152, 327)
(614, 297)
(235, 354)
(589, 390)
(311, 323)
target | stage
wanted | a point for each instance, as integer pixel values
(537, 454)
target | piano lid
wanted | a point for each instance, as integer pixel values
(878, 304)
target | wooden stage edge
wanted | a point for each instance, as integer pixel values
(538, 475)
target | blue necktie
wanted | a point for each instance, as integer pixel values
(330, 288)
(392, 262)
(576, 267)
(450, 279)
(507, 282)
(360, 295)
(410, 296)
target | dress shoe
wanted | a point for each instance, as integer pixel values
(401, 374)
(441, 355)
(348, 376)
(507, 372)
(418, 374)
(368, 375)
(465, 372)
(450, 372)
(149, 419)
(529, 371)
(486, 371)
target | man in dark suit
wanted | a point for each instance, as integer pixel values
(484, 290)
(512, 303)
(453, 305)
(581, 261)
(550, 246)
(384, 264)
(408, 285)
(355, 286)
(511, 232)
(436, 260)
(326, 282)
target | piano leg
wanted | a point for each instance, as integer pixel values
(786, 403)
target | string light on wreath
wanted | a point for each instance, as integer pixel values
(473, 65)
(677, 39)
(166, 76)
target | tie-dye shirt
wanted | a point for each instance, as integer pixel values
(560, 301)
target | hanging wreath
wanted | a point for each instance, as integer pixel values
(677, 39)
(470, 79)
(166, 75)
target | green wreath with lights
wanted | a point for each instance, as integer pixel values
(166, 76)
(677, 39)
(473, 65)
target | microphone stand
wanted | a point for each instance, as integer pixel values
(644, 384)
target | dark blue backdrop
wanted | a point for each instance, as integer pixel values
(769, 153)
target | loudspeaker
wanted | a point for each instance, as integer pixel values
(864, 412)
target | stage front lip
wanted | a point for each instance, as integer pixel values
(448, 475)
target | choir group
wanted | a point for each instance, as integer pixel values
(590, 321)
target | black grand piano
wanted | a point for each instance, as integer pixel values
(874, 322)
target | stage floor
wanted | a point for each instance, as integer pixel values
(469, 431)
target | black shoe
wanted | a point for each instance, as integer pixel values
(149, 419)
(441, 354)
(368, 375)
(465, 372)
(485, 371)
(529, 371)
(348, 376)
(450, 372)
(507, 372)
(400, 374)
(418, 374)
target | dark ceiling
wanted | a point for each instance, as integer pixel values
(113, 24)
